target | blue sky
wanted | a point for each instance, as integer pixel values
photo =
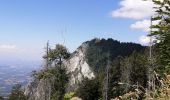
(26, 25)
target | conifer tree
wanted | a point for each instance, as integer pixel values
(59, 72)
(162, 33)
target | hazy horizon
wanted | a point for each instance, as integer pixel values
(27, 25)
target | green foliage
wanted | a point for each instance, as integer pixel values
(46, 73)
(89, 89)
(59, 72)
(56, 72)
(114, 77)
(139, 68)
(17, 93)
(99, 51)
(162, 33)
(57, 54)
(126, 65)
(69, 95)
(129, 71)
(97, 55)
(61, 79)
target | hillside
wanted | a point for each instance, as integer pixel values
(85, 62)
(99, 51)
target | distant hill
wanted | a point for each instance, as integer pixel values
(99, 51)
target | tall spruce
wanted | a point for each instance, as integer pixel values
(162, 33)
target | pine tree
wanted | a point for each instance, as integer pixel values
(59, 72)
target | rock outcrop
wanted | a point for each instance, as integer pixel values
(39, 89)
(77, 67)
(89, 58)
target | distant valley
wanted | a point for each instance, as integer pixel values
(11, 75)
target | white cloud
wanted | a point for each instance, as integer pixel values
(142, 25)
(144, 40)
(134, 9)
(139, 10)
(7, 46)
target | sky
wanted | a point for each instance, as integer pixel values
(26, 25)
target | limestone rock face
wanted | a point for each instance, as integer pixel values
(39, 89)
(76, 66)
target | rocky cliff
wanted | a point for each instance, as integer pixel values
(90, 58)
(39, 89)
(77, 67)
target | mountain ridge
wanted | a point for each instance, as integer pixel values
(79, 67)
